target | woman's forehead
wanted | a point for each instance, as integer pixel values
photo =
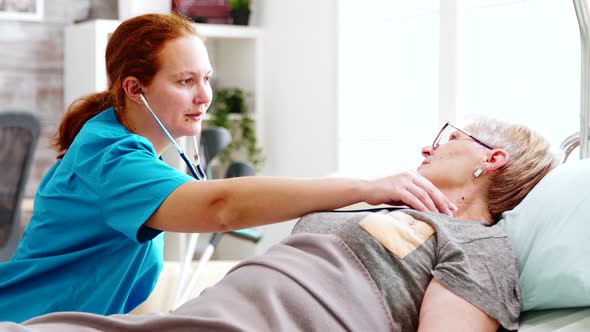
(473, 128)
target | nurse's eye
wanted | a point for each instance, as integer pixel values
(207, 79)
(453, 137)
(187, 81)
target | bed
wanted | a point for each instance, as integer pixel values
(550, 232)
(556, 320)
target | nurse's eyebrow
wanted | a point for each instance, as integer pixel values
(190, 73)
(184, 73)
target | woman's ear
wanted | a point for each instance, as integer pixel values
(495, 160)
(132, 88)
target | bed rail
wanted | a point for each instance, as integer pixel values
(582, 12)
(569, 145)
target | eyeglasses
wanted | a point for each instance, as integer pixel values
(446, 134)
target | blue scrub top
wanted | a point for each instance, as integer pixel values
(85, 248)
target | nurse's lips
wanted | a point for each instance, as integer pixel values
(197, 116)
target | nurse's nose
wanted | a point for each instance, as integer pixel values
(203, 95)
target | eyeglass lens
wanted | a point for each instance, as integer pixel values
(448, 133)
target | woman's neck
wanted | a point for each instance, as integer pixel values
(471, 203)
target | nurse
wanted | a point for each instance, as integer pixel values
(95, 241)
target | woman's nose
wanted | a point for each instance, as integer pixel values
(427, 151)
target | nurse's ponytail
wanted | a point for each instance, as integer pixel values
(133, 50)
(76, 116)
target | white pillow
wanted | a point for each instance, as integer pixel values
(550, 230)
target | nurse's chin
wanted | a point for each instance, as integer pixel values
(194, 130)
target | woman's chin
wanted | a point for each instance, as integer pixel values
(422, 170)
(425, 172)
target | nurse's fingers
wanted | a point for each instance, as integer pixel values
(406, 197)
(429, 193)
(411, 189)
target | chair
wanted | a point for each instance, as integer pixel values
(213, 140)
(19, 133)
(239, 168)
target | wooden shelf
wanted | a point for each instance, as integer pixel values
(227, 31)
(205, 30)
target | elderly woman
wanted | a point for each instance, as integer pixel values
(383, 270)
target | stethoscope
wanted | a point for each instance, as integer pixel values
(198, 173)
(195, 168)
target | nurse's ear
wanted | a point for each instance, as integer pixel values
(132, 88)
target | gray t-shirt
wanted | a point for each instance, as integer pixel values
(404, 249)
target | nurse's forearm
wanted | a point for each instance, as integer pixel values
(269, 200)
(222, 205)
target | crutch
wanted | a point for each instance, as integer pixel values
(246, 234)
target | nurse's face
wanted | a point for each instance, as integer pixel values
(180, 92)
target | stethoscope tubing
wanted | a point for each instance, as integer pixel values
(196, 170)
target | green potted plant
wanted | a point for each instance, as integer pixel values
(240, 11)
(229, 110)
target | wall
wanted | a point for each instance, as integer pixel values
(31, 74)
(526, 69)
(31, 79)
(300, 76)
(300, 86)
(388, 84)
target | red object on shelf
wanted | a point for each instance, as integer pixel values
(204, 11)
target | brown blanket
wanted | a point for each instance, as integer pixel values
(301, 284)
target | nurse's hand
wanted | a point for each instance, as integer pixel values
(411, 189)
